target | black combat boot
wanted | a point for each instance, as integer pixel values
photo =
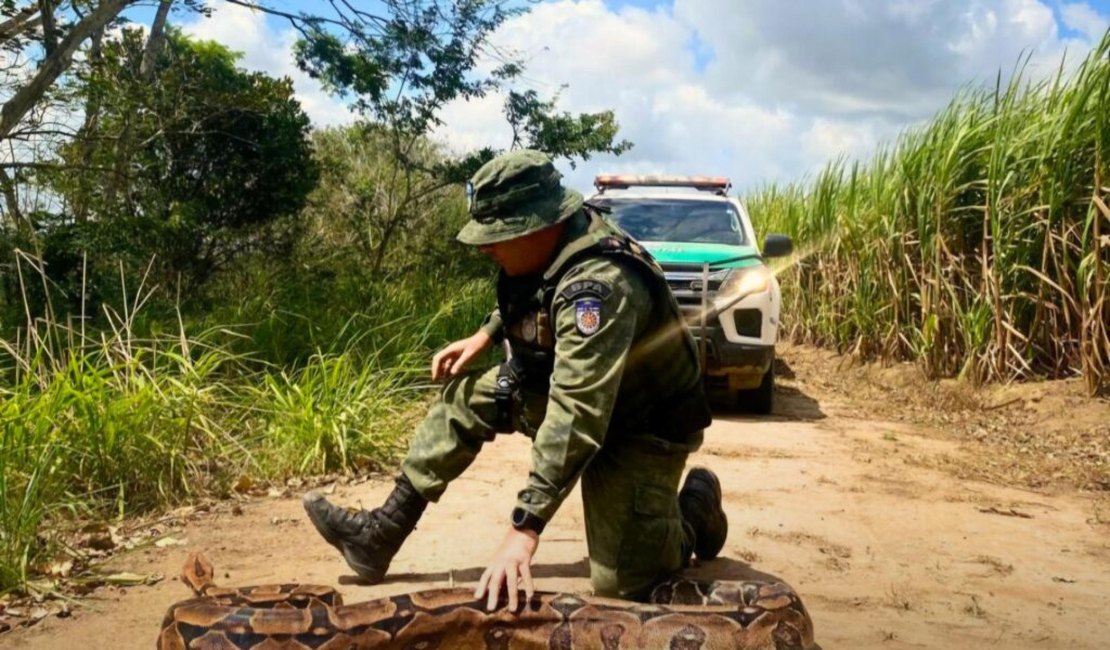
(368, 539)
(700, 503)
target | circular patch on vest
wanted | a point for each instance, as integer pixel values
(528, 328)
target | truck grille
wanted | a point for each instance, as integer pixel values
(684, 281)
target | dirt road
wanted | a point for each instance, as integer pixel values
(885, 553)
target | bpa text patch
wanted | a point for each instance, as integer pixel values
(580, 288)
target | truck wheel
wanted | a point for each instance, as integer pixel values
(760, 400)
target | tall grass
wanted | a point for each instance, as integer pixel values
(978, 245)
(109, 423)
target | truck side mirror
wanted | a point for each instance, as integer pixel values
(777, 246)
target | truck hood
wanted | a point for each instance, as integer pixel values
(683, 253)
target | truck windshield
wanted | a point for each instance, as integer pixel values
(676, 220)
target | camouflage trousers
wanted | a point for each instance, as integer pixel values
(634, 532)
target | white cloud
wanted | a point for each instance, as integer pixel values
(827, 139)
(851, 57)
(267, 50)
(476, 124)
(637, 63)
(755, 89)
(1084, 19)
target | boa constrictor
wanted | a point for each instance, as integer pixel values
(738, 615)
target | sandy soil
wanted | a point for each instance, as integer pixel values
(887, 550)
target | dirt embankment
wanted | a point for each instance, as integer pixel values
(906, 514)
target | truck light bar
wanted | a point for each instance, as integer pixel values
(718, 184)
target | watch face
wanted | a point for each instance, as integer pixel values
(519, 514)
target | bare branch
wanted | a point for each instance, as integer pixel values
(49, 28)
(300, 22)
(48, 166)
(22, 22)
(55, 64)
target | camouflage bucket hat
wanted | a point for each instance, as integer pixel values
(516, 194)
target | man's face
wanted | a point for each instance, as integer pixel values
(525, 255)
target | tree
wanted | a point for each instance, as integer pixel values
(402, 71)
(347, 212)
(400, 63)
(42, 39)
(219, 155)
(420, 44)
(537, 125)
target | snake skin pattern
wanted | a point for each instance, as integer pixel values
(735, 615)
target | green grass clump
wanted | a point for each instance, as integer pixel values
(107, 424)
(978, 245)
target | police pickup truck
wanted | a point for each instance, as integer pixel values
(703, 239)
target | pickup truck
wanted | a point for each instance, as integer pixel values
(704, 240)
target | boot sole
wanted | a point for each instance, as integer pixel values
(367, 574)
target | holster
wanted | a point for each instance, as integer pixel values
(505, 392)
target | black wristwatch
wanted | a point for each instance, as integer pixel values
(524, 520)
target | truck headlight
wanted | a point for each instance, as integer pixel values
(745, 282)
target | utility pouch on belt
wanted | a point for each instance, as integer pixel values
(686, 414)
(672, 426)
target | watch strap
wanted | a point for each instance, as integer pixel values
(524, 520)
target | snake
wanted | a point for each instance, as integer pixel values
(682, 614)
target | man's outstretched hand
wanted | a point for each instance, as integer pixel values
(511, 564)
(454, 358)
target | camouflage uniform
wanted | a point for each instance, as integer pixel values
(619, 404)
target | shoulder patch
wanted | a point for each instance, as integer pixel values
(587, 315)
(580, 288)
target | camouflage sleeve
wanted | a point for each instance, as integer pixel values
(492, 325)
(598, 309)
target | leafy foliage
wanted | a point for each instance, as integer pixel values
(401, 69)
(403, 66)
(196, 167)
(350, 211)
(537, 125)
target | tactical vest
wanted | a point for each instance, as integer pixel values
(525, 306)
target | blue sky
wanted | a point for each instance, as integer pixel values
(759, 90)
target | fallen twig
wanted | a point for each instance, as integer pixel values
(1010, 512)
(995, 407)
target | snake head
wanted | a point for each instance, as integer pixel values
(198, 573)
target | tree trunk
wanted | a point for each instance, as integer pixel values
(147, 66)
(55, 64)
(86, 134)
(154, 41)
(11, 201)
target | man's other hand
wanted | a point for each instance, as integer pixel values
(454, 358)
(511, 564)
